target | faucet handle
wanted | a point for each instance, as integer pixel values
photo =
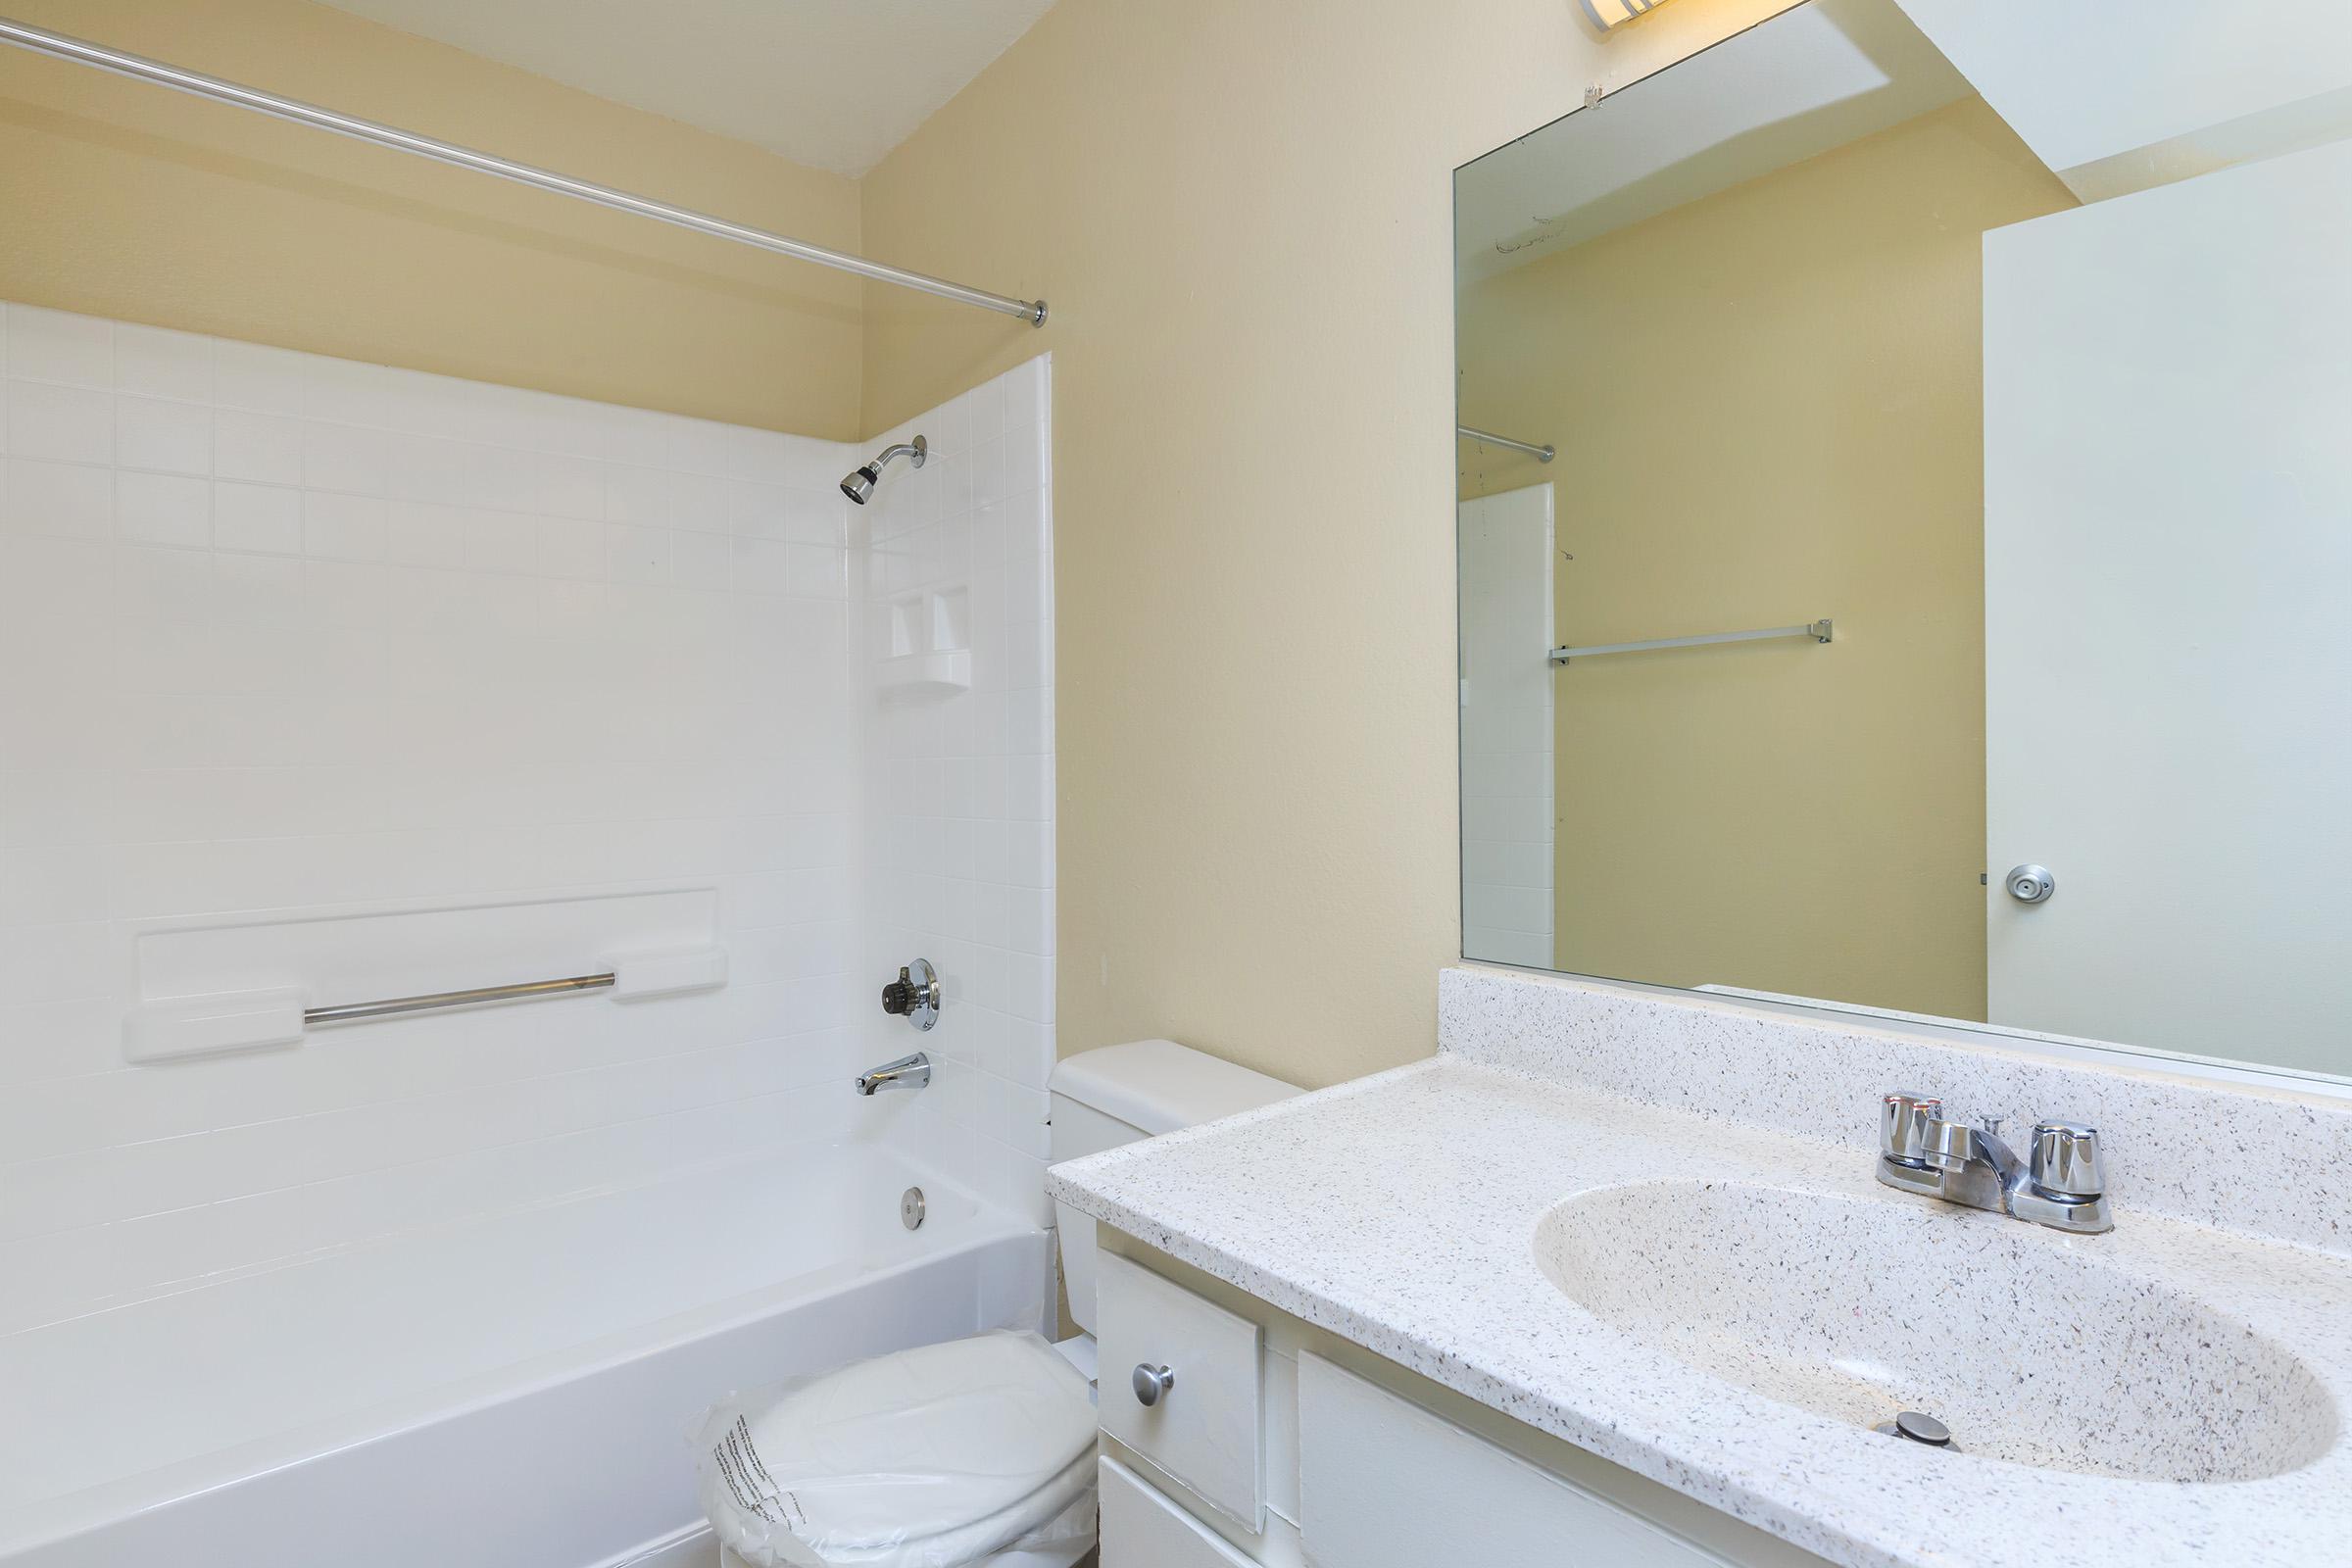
(2066, 1160)
(1903, 1118)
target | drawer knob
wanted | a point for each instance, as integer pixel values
(1150, 1382)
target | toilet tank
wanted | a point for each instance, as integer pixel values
(1118, 1094)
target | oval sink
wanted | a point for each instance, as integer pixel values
(1856, 1309)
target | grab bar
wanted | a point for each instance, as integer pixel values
(1542, 453)
(218, 1021)
(528, 989)
(1818, 630)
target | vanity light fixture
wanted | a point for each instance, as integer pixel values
(1608, 13)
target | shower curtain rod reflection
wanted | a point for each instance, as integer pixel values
(1473, 433)
(58, 46)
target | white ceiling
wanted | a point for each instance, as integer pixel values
(832, 84)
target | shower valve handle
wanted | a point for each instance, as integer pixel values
(914, 995)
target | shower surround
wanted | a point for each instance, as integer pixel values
(369, 682)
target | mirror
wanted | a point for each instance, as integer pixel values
(1936, 603)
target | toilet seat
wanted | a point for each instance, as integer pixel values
(980, 1538)
(933, 1456)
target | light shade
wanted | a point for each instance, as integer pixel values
(1607, 14)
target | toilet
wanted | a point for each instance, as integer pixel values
(980, 1450)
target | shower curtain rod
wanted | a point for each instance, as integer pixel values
(58, 46)
(1473, 433)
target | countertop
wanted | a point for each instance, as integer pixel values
(1399, 1212)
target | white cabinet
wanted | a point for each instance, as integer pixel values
(1206, 1431)
(1141, 1528)
(1385, 1484)
(1267, 1452)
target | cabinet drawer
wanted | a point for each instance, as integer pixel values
(1383, 1484)
(1204, 1432)
(1141, 1529)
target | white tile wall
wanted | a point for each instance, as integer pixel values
(279, 631)
(959, 830)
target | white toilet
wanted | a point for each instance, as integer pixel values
(982, 1451)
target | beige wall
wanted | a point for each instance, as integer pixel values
(1241, 214)
(1240, 210)
(126, 200)
(1769, 404)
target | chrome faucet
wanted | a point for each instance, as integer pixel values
(907, 1072)
(2061, 1183)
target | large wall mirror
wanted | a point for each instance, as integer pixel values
(1940, 596)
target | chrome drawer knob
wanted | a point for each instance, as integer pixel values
(1150, 1382)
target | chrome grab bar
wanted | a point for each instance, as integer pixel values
(1818, 630)
(528, 989)
(1542, 453)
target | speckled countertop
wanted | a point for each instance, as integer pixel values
(1409, 1213)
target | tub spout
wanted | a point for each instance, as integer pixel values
(907, 1072)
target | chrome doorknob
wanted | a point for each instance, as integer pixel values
(1150, 1382)
(2031, 884)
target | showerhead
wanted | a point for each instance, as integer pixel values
(860, 486)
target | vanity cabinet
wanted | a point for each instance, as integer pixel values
(1151, 1530)
(1205, 1434)
(1276, 1445)
(1383, 1484)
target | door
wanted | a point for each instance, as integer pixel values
(2168, 562)
(1507, 727)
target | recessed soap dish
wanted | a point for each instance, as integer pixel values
(925, 674)
(929, 649)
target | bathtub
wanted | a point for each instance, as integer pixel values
(510, 1392)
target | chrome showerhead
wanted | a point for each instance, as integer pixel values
(860, 486)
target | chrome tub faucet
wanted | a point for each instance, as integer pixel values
(907, 1072)
(2061, 1183)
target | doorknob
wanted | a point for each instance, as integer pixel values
(2031, 884)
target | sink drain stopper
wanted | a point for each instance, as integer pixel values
(1917, 1426)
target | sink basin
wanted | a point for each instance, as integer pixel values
(2024, 1345)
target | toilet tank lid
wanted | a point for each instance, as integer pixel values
(1156, 1085)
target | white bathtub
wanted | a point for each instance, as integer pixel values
(513, 1392)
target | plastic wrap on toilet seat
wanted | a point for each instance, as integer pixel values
(926, 1458)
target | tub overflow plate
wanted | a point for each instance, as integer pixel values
(910, 1208)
